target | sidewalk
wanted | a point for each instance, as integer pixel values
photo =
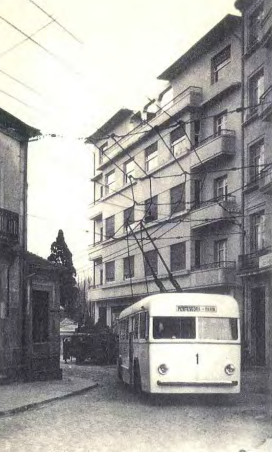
(19, 397)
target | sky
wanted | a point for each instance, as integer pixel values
(65, 68)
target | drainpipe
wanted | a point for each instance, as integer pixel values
(23, 261)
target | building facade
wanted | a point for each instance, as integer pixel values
(24, 282)
(167, 183)
(255, 261)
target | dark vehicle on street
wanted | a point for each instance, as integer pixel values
(99, 347)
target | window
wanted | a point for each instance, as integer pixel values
(178, 141)
(151, 209)
(128, 267)
(177, 198)
(152, 258)
(220, 123)
(257, 233)
(102, 149)
(129, 170)
(151, 157)
(197, 253)
(178, 256)
(221, 188)
(98, 272)
(256, 90)
(174, 327)
(110, 271)
(220, 252)
(219, 64)
(256, 160)
(110, 227)
(40, 315)
(218, 329)
(128, 217)
(197, 132)
(110, 182)
(255, 26)
(198, 188)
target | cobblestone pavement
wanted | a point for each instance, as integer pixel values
(110, 418)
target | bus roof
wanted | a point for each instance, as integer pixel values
(188, 304)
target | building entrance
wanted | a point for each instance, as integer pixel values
(258, 324)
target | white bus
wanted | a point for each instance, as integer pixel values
(181, 343)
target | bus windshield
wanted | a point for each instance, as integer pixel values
(174, 328)
(219, 329)
(209, 328)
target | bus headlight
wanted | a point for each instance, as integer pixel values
(163, 369)
(230, 369)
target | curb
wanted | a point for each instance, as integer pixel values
(34, 405)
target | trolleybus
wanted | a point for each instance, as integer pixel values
(181, 343)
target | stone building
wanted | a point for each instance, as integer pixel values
(24, 279)
(168, 182)
(255, 261)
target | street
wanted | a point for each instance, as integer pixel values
(112, 418)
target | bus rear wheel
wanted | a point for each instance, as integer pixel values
(137, 379)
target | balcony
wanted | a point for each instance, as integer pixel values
(256, 261)
(189, 98)
(213, 274)
(9, 227)
(211, 212)
(265, 181)
(214, 147)
(265, 108)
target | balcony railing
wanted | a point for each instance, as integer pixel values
(190, 97)
(210, 265)
(257, 260)
(213, 274)
(265, 181)
(265, 107)
(214, 211)
(9, 226)
(217, 145)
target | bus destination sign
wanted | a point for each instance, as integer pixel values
(184, 308)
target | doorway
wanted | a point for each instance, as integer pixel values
(258, 324)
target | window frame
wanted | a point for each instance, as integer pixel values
(257, 231)
(151, 156)
(218, 63)
(224, 187)
(179, 250)
(256, 151)
(110, 227)
(152, 257)
(129, 219)
(109, 186)
(220, 246)
(110, 268)
(128, 173)
(151, 209)
(255, 91)
(129, 268)
(178, 206)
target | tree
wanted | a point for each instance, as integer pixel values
(61, 255)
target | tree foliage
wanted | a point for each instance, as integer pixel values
(61, 255)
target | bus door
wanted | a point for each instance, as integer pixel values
(130, 357)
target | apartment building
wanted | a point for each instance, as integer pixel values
(255, 260)
(29, 293)
(167, 183)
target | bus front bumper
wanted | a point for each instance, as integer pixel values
(197, 383)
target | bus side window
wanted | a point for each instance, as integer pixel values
(126, 329)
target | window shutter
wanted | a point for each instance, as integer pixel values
(153, 260)
(177, 196)
(110, 227)
(110, 271)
